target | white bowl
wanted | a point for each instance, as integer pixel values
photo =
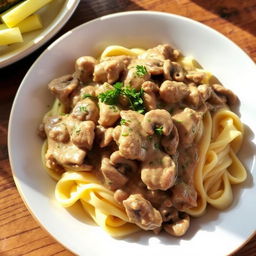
(54, 16)
(216, 233)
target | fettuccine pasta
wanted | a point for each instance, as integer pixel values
(143, 139)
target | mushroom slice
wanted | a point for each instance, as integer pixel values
(123, 165)
(62, 87)
(170, 143)
(179, 227)
(177, 72)
(158, 118)
(84, 68)
(141, 212)
(86, 110)
(113, 178)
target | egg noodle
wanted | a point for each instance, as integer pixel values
(218, 168)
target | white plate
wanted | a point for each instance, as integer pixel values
(216, 233)
(54, 16)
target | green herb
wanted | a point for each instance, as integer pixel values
(114, 108)
(78, 131)
(135, 99)
(125, 134)
(156, 146)
(83, 109)
(124, 121)
(110, 97)
(159, 130)
(141, 70)
(87, 95)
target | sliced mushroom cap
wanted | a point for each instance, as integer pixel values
(63, 86)
(141, 212)
(86, 110)
(113, 178)
(221, 90)
(170, 143)
(155, 119)
(84, 68)
(178, 228)
(177, 72)
(125, 166)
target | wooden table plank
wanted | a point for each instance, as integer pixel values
(20, 234)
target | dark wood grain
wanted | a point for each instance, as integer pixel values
(20, 234)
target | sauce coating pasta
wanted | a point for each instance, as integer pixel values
(144, 139)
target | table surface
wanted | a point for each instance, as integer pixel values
(20, 234)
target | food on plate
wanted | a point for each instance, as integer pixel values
(143, 139)
(10, 35)
(22, 18)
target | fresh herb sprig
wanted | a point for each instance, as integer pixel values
(134, 97)
(141, 70)
(159, 130)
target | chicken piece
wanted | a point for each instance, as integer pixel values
(83, 135)
(142, 213)
(170, 143)
(178, 227)
(113, 178)
(222, 91)
(130, 137)
(86, 110)
(160, 52)
(84, 68)
(62, 87)
(188, 125)
(150, 89)
(56, 129)
(159, 171)
(205, 91)
(110, 69)
(83, 92)
(109, 114)
(60, 149)
(158, 118)
(173, 92)
(135, 80)
(193, 99)
(184, 196)
(104, 135)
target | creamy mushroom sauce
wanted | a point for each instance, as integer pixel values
(136, 123)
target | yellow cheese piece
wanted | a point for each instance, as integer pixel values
(3, 26)
(10, 36)
(21, 11)
(31, 23)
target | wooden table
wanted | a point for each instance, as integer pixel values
(20, 234)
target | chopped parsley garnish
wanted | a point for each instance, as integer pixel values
(159, 130)
(87, 95)
(78, 131)
(110, 97)
(141, 70)
(83, 109)
(125, 134)
(124, 121)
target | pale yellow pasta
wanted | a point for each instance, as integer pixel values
(218, 166)
(115, 50)
(96, 200)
